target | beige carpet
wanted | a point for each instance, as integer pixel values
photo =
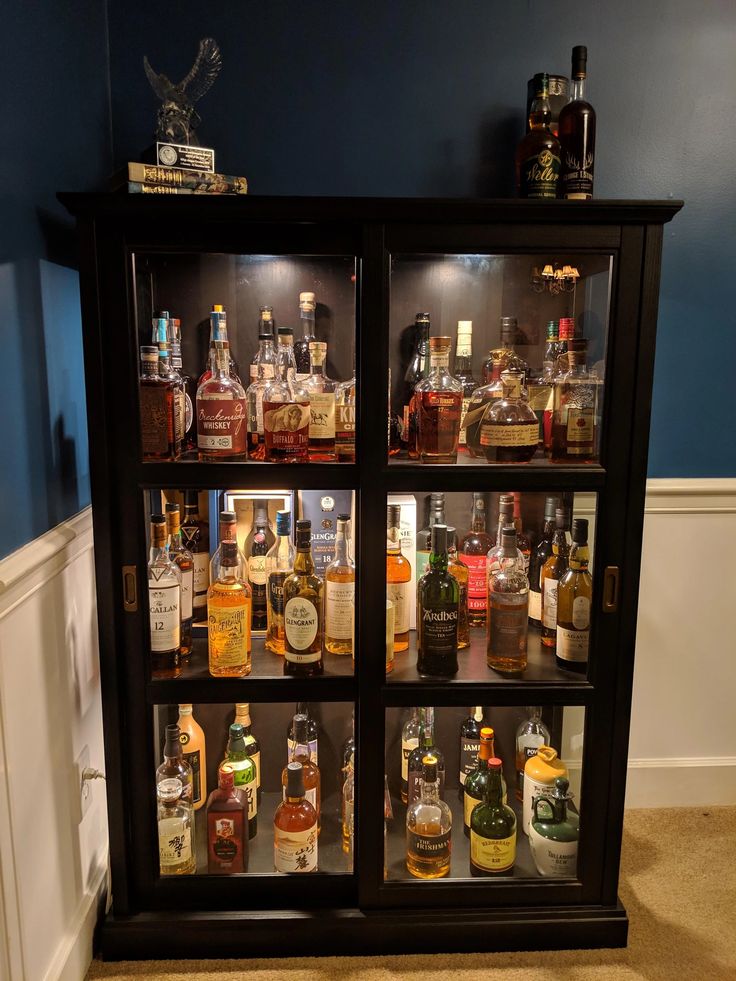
(678, 884)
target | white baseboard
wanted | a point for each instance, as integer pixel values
(681, 782)
(74, 954)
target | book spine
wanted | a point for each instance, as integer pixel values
(195, 179)
(136, 187)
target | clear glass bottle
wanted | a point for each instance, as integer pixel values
(474, 551)
(303, 610)
(302, 708)
(398, 576)
(286, 409)
(509, 430)
(345, 419)
(279, 566)
(259, 540)
(262, 373)
(252, 746)
(227, 826)
(504, 357)
(188, 385)
(156, 396)
(537, 559)
(340, 593)
(552, 571)
(508, 610)
(459, 571)
(238, 756)
(410, 733)
(424, 536)
(184, 561)
(428, 828)
(174, 816)
(577, 134)
(492, 829)
(538, 153)
(265, 356)
(505, 521)
(307, 311)
(174, 764)
(295, 827)
(531, 734)
(574, 595)
(426, 745)
(299, 753)
(228, 531)
(522, 542)
(164, 604)
(218, 332)
(438, 597)
(576, 397)
(222, 417)
(321, 391)
(229, 604)
(161, 337)
(462, 369)
(439, 401)
(416, 370)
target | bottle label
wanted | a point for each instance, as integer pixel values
(540, 399)
(187, 583)
(301, 622)
(468, 756)
(156, 420)
(257, 570)
(414, 779)
(492, 854)
(339, 609)
(439, 420)
(572, 645)
(226, 841)
(165, 617)
(553, 857)
(428, 846)
(549, 606)
(507, 624)
(439, 631)
(422, 562)
(535, 788)
(228, 630)
(397, 593)
(255, 412)
(195, 761)
(407, 747)
(516, 434)
(222, 424)
(345, 429)
(295, 851)
(463, 434)
(539, 175)
(526, 747)
(439, 359)
(267, 371)
(477, 581)
(276, 592)
(245, 781)
(321, 415)
(579, 430)
(577, 175)
(286, 427)
(201, 578)
(535, 605)
(180, 408)
(174, 842)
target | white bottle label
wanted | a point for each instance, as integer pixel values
(463, 433)
(187, 583)
(301, 622)
(321, 415)
(295, 851)
(553, 857)
(174, 842)
(339, 606)
(549, 608)
(407, 748)
(572, 645)
(201, 576)
(257, 570)
(165, 616)
(397, 593)
(535, 605)
(581, 613)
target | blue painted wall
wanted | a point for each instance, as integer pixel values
(56, 134)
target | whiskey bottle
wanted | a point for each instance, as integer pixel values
(262, 373)
(552, 571)
(161, 334)
(476, 781)
(474, 551)
(509, 430)
(537, 560)
(310, 771)
(345, 402)
(286, 409)
(321, 392)
(538, 153)
(439, 400)
(265, 356)
(302, 708)
(164, 599)
(194, 752)
(252, 746)
(156, 396)
(508, 610)
(417, 369)
(470, 743)
(259, 540)
(438, 598)
(174, 765)
(228, 531)
(227, 826)
(229, 604)
(428, 827)
(424, 537)
(574, 594)
(244, 768)
(574, 420)
(218, 332)
(554, 831)
(505, 522)
(398, 575)
(409, 741)
(463, 370)
(340, 593)
(531, 734)
(184, 560)
(195, 537)
(307, 310)
(174, 817)
(459, 571)
(279, 565)
(222, 422)
(577, 135)
(303, 610)
(295, 827)
(492, 829)
(522, 542)
(425, 745)
(188, 384)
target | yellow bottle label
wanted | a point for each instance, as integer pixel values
(229, 634)
(468, 804)
(492, 854)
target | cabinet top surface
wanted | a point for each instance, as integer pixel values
(370, 210)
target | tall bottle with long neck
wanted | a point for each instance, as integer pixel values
(474, 554)
(463, 371)
(538, 557)
(265, 356)
(195, 537)
(538, 153)
(424, 537)
(398, 576)
(303, 610)
(184, 560)
(577, 134)
(340, 593)
(222, 421)
(307, 308)
(417, 370)
(218, 332)
(262, 372)
(256, 547)
(279, 565)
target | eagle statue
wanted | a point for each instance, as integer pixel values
(177, 118)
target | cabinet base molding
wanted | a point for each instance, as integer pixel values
(161, 935)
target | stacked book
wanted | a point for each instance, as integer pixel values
(143, 178)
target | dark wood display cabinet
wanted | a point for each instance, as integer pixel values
(371, 264)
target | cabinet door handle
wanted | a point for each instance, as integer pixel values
(610, 589)
(130, 589)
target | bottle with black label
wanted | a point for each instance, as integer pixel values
(577, 135)
(255, 548)
(409, 742)
(538, 154)
(428, 827)
(470, 743)
(438, 597)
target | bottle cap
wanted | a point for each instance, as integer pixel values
(265, 333)
(158, 530)
(429, 768)
(486, 733)
(422, 318)
(464, 327)
(317, 347)
(508, 539)
(266, 313)
(228, 517)
(172, 745)
(294, 780)
(218, 308)
(304, 525)
(303, 533)
(439, 539)
(580, 531)
(579, 61)
(479, 500)
(170, 790)
(561, 791)
(226, 776)
(508, 330)
(299, 728)
(283, 523)
(185, 708)
(553, 330)
(285, 332)
(550, 507)
(393, 515)
(495, 764)
(343, 517)
(541, 84)
(437, 497)
(149, 352)
(191, 498)
(561, 518)
(306, 297)
(441, 343)
(506, 506)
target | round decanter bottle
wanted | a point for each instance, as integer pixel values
(509, 430)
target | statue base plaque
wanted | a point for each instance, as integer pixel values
(181, 156)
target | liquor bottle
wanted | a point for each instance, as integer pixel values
(424, 537)
(552, 571)
(504, 357)
(265, 356)
(574, 437)
(259, 540)
(348, 807)
(174, 765)
(462, 369)
(229, 604)
(509, 430)
(541, 388)
(417, 369)
(303, 610)
(470, 743)
(398, 574)
(279, 565)
(156, 396)
(321, 391)
(522, 542)
(439, 401)
(164, 599)
(348, 747)
(540, 773)
(228, 531)
(476, 781)
(174, 817)
(194, 751)
(537, 560)
(307, 309)
(508, 610)
(218, 332)
(574, 594)
(345, 402)
(474, 550)
(438, 598)
(195, 537)
(428, 827)
(188, 384)
(310, 771)
(531, 734)
(409, 741)
(426, 745)
(567, 333)
(222, 421)
(295, 827)
(459, 571)
(577, 135)
(286, 409)
(538, 153)
(168, 372)
(340, 593)
(302, 708)
(227, 825)
(554, 831)
(252, 746)
(238, 756)
(477, 408)
(492, 829)
(184, 561)
(505, 523)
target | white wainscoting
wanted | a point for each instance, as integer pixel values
(53, 862)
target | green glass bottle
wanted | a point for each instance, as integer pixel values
(438, 596)
(554, 832)
(474, 789)
(246, 773)
(492, 830)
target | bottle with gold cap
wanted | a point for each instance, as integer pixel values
(540, 774)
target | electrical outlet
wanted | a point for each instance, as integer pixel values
(84, 787)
